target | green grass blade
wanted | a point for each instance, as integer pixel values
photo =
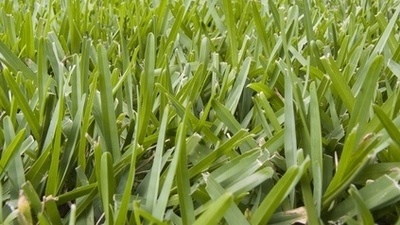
(232, 31)
(390, 127)
(234, 171)
(290, 126)
(154, 183)
(229, 120)
(316, 146)
(250, 182)
(166, 188)
(229, 145)
(30, 117)
(56, 127)
(386, 33)
(42, 77)
(182, 176)
(260, 27)
(147, 85)
(280, 191)
(378, 194)
(106, 183)
(339, 83)
(237, 89)
(308, 198)
(215, 190)
(68, 158)
(11, 150)
(365, 214)
(109, 128)
(122, 212)
(50, 207)
(14, 63)
(216, 210)
(365, 97)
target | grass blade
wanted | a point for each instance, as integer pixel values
(365, 214)
(216, 210)
(154, 183)
(280, 191)
(14, 63)
(109, 128)
(365, 96)
(182, 175)
(30, 117)
(106, 183)
(215, 190)
(316, 146)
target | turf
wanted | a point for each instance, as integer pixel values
(199, 112)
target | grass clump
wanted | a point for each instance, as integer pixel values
(199, 112)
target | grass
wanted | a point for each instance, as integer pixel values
(199, 112)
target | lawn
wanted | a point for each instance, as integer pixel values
(199, 112)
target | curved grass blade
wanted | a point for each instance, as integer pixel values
(14, 63)
(215, 190)
(21, 100)
(390, 127)
(364, 99)
(364, 213)
(280, 191)
(376, 195)
(339, 83)
(215, 211)
(11, 151)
